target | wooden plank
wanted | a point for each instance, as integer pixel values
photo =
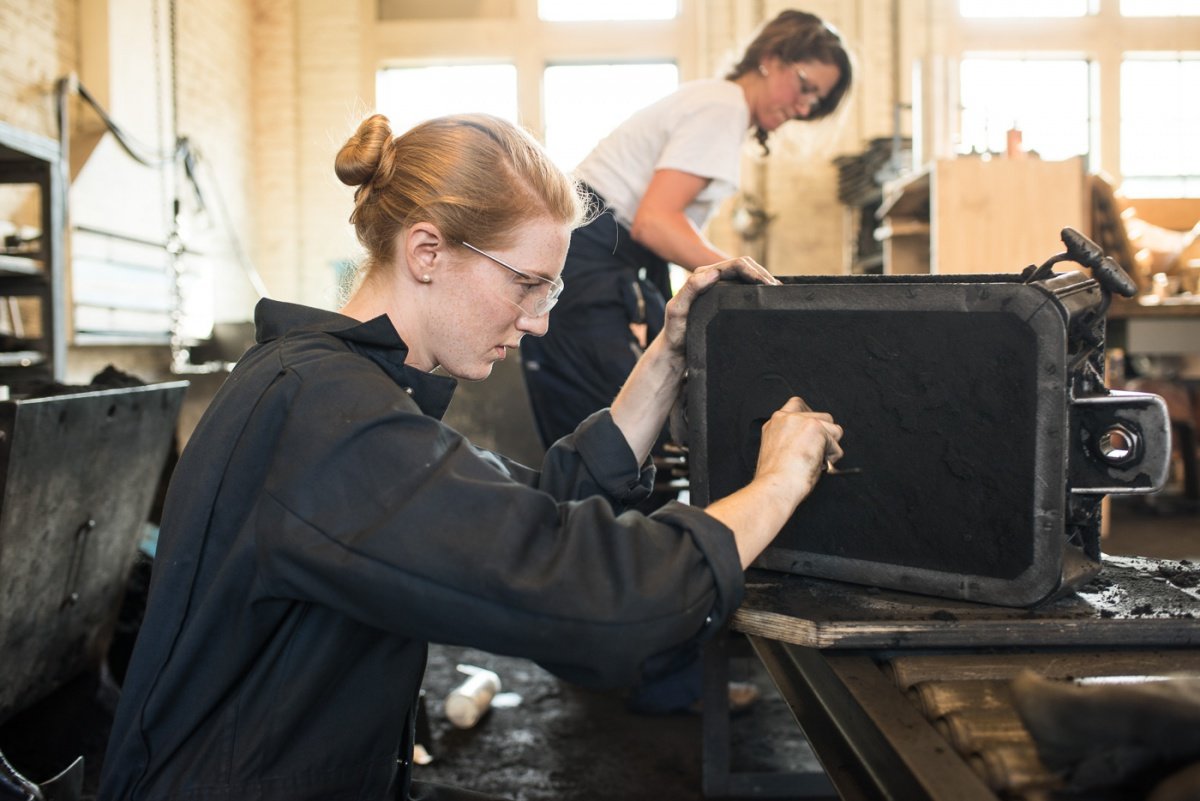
(1132, 602)
(912, 671)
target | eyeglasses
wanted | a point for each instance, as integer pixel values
(809, 90)
(536, 295)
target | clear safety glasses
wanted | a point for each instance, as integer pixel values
(808, 89)
(534, 295)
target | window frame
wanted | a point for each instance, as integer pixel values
(531, 44)
(1074, 58)
(1103, 38)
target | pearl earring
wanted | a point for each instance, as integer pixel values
(425, 279)
(762, 68)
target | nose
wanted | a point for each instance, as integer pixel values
(534, 326)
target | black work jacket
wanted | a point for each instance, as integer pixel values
(323, 525)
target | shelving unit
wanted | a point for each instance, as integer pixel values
(32, 307)
(861, 177)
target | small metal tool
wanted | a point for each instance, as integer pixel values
(830, 469)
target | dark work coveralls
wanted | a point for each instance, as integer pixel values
(323, 525)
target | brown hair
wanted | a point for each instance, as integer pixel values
(474, 176)
(799, 36)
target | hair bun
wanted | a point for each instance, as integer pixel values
(359, 160)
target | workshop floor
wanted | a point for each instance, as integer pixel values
(554, 740)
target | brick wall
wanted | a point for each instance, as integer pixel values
(332, 100)
(308, 98)
(216, 98)
(276, 125)
(37, 45)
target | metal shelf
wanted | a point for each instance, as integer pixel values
(27, 158)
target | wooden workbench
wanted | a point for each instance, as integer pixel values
(906, 696)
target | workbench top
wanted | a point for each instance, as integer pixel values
(1132, 602)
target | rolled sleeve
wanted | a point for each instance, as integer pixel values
(610, 460)
(596, 459)
(715, 540)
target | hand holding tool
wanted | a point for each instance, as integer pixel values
(829, 468)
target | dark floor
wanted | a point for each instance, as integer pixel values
(561, 742)
(543, 739)
(551, 740)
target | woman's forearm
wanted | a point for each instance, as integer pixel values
(641, 407)
(674, 237)
(754, 514)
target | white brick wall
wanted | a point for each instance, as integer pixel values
(214, 69)
(37, 45)
(276, 130)
(331, 102)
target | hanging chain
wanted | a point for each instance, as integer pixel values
(168, 178)
(180, 355)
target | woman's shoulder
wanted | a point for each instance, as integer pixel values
(709, 100)
(710, 91)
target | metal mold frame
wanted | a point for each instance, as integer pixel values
(1055, 564)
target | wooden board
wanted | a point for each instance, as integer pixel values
(1001, 215)
(1132, 602)
(983, 216)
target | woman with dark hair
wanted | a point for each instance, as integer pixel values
(657, 178)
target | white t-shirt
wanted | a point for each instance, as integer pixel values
(699, 129)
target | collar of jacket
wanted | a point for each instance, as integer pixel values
(377, 339)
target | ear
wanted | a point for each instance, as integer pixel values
(424, 249)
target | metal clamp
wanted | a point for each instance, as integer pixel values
(1120, 444)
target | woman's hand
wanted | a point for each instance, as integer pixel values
(641, 407)
(742, 268)
(796, 442)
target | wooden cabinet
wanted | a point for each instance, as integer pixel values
(32, 324)
(970, 215)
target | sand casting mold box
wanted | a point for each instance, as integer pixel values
(975, 407)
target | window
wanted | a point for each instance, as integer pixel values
(586, 101)
(1160, 8)
(1025, 8)
(574, 10)
(1047, 100)
(1150, 102)
(412, 94)
(1160, 122)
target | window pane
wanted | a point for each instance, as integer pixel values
(1160, 125)
(1046, 100)
(409, 95)
(564, 10)
(1024, 8)
(1160, 8)
(584, 102)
